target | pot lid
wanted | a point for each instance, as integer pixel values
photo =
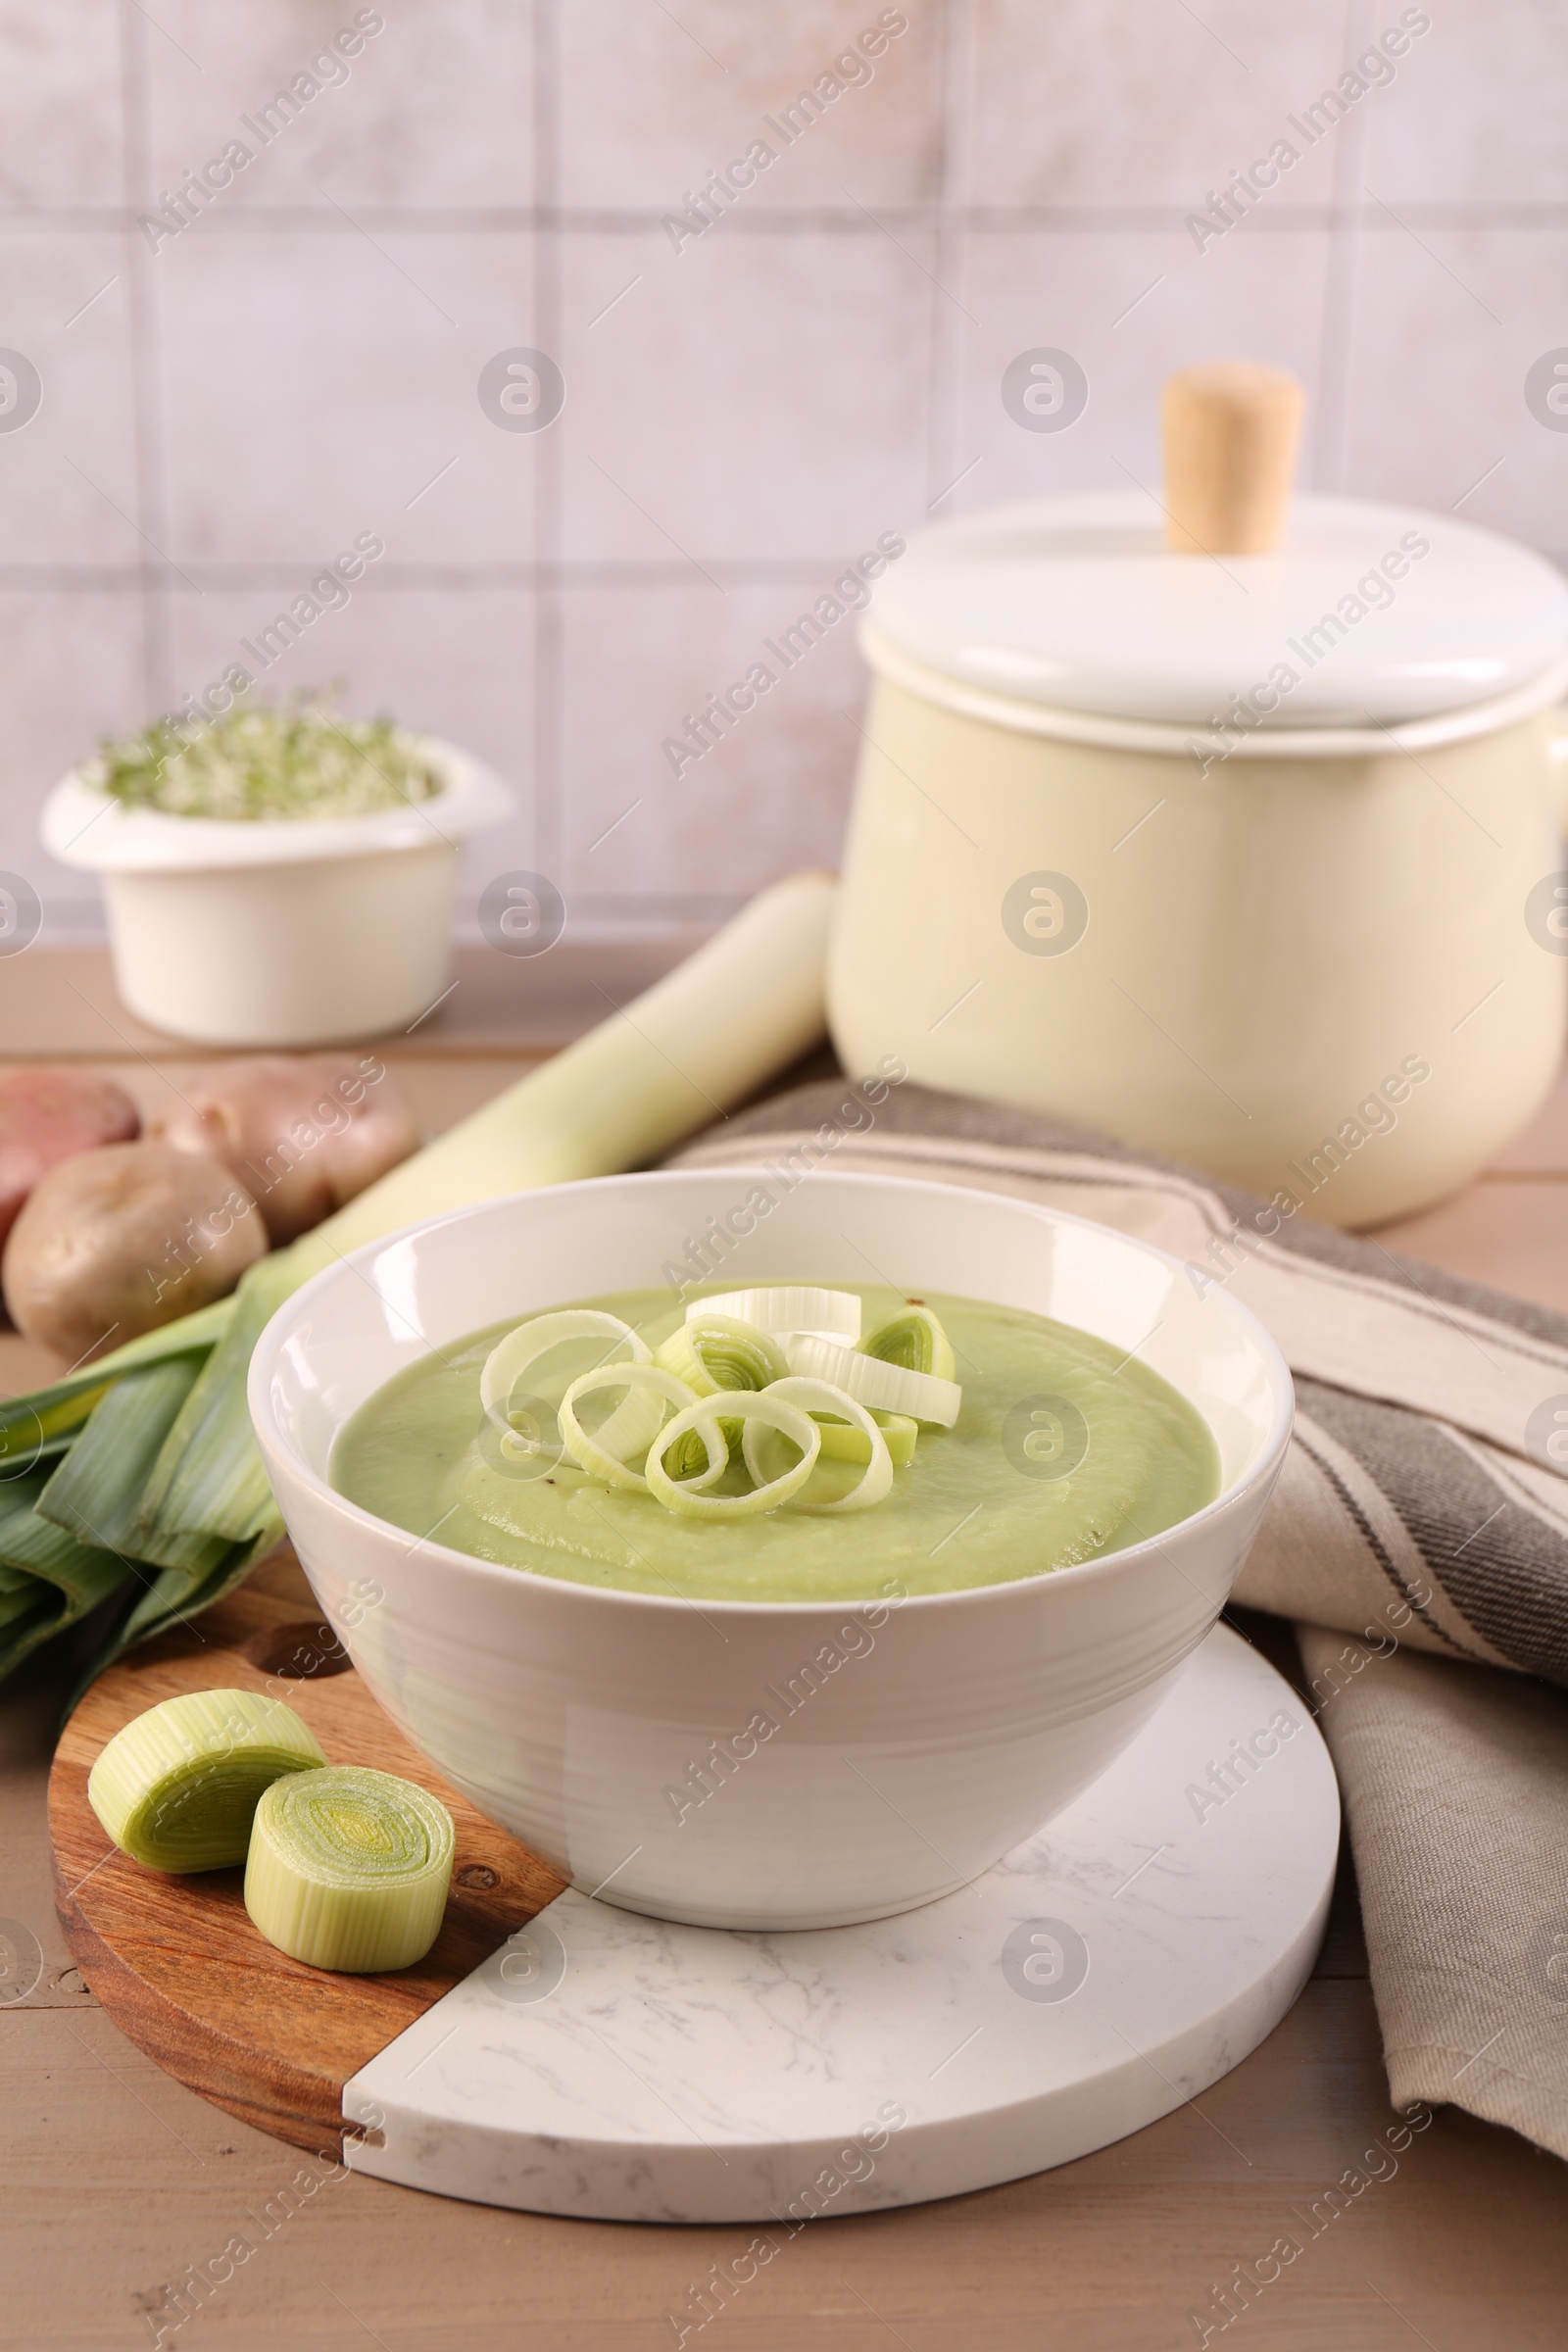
(1367, 615)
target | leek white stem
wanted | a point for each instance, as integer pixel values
(737, 1013)
(742, 1007)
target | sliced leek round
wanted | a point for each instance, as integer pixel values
(686, 1498)
(889, 1388)
(176, 1788)
(349, 1868)
(787, 1306)
(821, 1397)
(521, 1349)
(606, 1452)
(710, 1353)
(915, 1339)
(842, 1442)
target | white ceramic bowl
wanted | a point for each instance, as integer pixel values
(954, 1724)
(286, 931)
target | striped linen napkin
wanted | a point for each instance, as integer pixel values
(1418, 1538)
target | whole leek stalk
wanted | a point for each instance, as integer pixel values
(142, 1473)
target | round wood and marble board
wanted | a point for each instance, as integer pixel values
(606, 2065)
(1107, 1971)
(177, 1962)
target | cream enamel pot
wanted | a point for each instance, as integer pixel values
(1107, 858)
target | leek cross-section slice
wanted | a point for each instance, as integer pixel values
(815, 1396)
(915, 1340)
(709, 1352)
(176, 1788)
(874, 1383)
(687, 1499)
(349, 1868)
(787, 1306)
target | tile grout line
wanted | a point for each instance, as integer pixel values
(963, 57)
(151, 493)
(1067, 220)
(608, 574)
(547, 258)
(480, 576)
(1336, 328)
(944, 337)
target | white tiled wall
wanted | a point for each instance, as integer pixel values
(744, 413)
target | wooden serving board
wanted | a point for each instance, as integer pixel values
(177, 1962)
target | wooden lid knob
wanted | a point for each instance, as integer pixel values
(1231, 433)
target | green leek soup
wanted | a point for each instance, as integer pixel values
(1065, 1447)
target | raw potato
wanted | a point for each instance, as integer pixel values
(118, 1240)
(45, 1116)
(304, 1132)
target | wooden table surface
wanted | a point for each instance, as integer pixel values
(117, 2180)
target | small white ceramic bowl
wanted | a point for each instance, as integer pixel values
(954, 1724)
(286, 931)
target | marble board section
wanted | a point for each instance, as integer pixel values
(605, 2064)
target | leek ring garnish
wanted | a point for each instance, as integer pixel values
(523, 1348)
(739, 1404)
(900, 1434)
(834, 1314)
(634, 1425)
(710, 1351)
(830, 1401)
(177, 1787)
(915, 1340)
(874, 1383)
(821, 1397)
(842, 1442)
(349, 1868)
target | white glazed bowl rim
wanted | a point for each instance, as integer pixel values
(83, 826)
(275, 1334)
